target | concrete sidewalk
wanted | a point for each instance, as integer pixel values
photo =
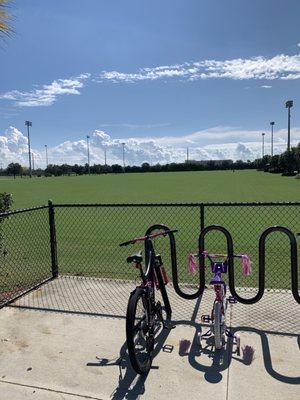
(49, 355)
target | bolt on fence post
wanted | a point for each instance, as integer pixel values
(53, 245)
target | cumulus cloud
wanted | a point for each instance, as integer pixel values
(278, 67)
(47, 94)
(136, 151)
(14, 148)
(214, 143)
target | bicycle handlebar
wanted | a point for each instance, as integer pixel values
(218, 255)
(147, 237)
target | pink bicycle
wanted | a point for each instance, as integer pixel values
(217, 319)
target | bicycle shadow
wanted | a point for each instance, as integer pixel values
(221, 359)
(131, 385)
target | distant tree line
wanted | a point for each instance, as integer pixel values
(15, 169)
(287, 163)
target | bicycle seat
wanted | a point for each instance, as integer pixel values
(137, 257)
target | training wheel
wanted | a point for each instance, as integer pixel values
(199, 340)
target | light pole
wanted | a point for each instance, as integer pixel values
(46, 148)
(105, 163)
(263, 144)
(28, 124)
(32, 161)
(289, 105)
(272, 131)
(88, 151)
(187, 154)
(123, 144)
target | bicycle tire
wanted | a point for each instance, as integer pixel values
(136, 328)
(217, 324)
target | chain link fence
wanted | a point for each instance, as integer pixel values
(93, 276)
(246, 223)
(24, 252)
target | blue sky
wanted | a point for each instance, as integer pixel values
(79, 44)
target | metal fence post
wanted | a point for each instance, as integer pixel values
(53, 245)
(202, 223)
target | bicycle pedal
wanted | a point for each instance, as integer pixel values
(169, 326)
(168, 348)
(205, 318)
(232, 300)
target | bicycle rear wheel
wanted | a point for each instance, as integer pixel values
(140, 339)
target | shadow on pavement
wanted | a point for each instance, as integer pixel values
(221, 359)
(131, 385)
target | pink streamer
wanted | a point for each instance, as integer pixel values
(192, 265)
(246, 263)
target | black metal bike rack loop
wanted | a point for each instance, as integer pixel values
(230, 252)
(188, 296)
(293, 255)
(229, 241)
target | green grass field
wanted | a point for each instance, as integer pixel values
(88, 238)
(163, 187)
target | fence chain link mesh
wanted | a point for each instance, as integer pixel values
(93, 274)
(24, 252)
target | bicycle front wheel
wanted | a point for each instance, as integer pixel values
(217, 325)
(140, 339)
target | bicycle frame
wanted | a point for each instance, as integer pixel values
(220, 302)
(219, 285)
(153, 276)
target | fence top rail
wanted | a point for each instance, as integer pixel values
(23, 210)
(200, 204)
(103, 205)
(253, 203)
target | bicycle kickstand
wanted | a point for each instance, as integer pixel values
(166, 325)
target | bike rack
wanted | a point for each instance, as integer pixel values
(188, 296)
(229, 241)
(262, 260)
(230, 252)
(293, 255)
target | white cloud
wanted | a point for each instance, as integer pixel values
(14, 148)
(213, 143)
(48, 94)
(285, 67)
(266, 86)
(277, 67)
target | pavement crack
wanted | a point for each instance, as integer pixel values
(51, 390)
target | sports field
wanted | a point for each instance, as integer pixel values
(88, 238)
(182, 187)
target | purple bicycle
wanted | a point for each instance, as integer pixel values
(217, 318)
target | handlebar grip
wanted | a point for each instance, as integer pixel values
(149, 236)
(126, 243)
